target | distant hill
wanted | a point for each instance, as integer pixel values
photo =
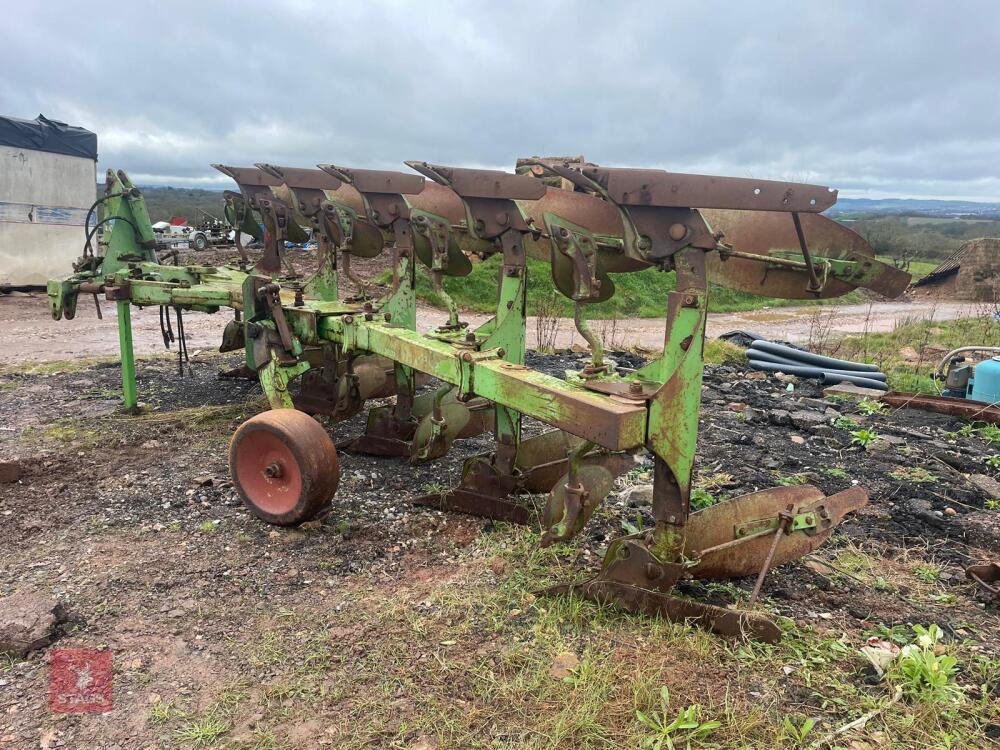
(164, 202)
(914, 207)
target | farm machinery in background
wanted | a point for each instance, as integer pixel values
(328, 355)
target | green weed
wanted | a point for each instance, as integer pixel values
(793, 480)
(869, 407)
(702, 498)
(915, 474)
(796, 733)
(201, 732)
(927, 573)
(685, 728)
(925, 675)
(845, 423)
(863, 437)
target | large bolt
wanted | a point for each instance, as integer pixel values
(677, 232)
(273, 470)
(635, 388)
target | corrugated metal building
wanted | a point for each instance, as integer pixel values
(48, 181)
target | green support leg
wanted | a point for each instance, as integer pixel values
(129, 394)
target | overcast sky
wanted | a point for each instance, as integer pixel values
(876, 98)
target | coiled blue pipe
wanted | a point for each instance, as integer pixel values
(771, 359)
(827, 377)
(807, 358)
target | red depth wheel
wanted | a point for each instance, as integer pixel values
(284, 466)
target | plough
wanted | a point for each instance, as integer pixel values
(326, 354)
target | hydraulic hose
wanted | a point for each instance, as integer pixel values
(817, 360)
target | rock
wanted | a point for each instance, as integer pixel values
(779, 417)
(950, 512)
(638, 495)
(987, 485)
(751, 414)
(892, 440)
(28, 621)
(815, 403)
(563, 665)
(425, 743)
(826, 431)
(798, 440)
(707, 394)
(806, 419)
(854, 391)
(203, 480)
(10, 471)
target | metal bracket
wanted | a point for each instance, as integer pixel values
(801, 521)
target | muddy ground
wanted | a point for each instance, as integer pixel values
(390, 625)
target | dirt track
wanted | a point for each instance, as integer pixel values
(30, 335)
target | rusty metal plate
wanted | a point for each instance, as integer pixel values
(976, 411)
(438, 200)
(249, 176)
(987, 576)
(425, 445)
(632, 389)
(377, 180)
(728, 622)
(712, 532)
(484, 491)
(482, 183)
(597, 483)
(297, 177)
(767, 233)
(655, 187)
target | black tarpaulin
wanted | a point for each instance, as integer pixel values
(43, 134)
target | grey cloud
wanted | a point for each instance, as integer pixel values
(889, 98)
